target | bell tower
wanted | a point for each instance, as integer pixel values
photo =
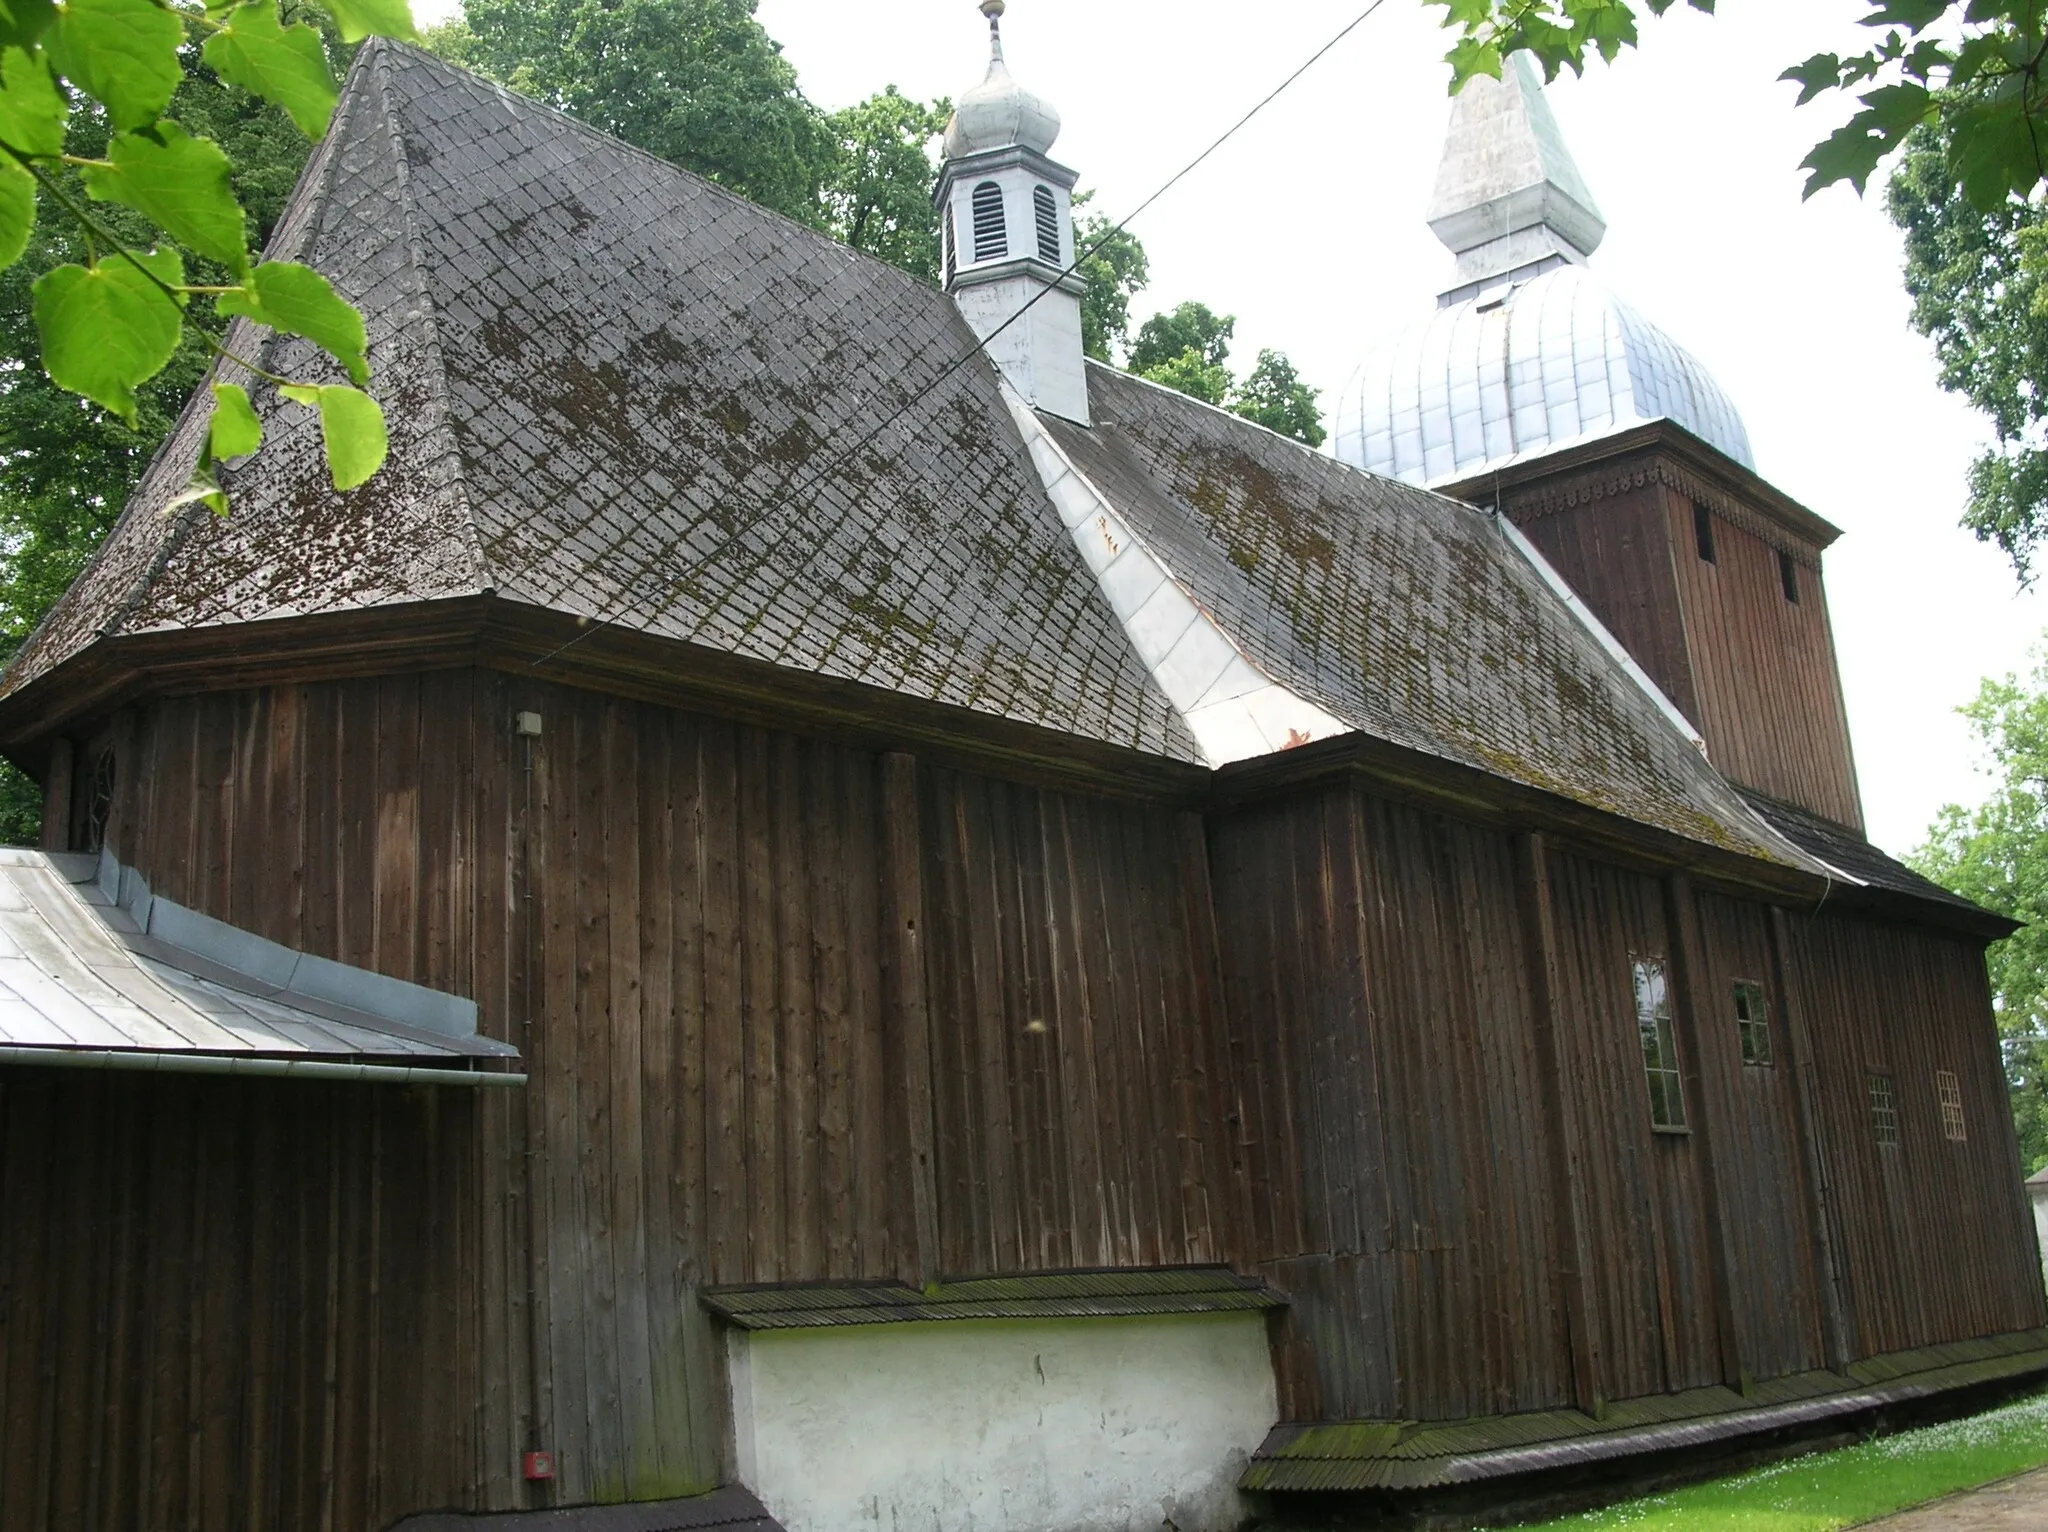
(1006, 212)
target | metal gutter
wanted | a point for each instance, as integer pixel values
(232, 1064)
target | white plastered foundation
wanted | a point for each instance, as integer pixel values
(1107, 1425)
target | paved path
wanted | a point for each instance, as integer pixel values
(2016, 1505)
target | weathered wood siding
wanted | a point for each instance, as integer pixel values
(1389, 1101)
(1933, 1233)
(796, 1010)
(1763, 668)
(227, 1305)
(1754, 672)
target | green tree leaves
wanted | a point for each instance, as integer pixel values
(32, 109)
(122, 53)
(180, 183)
(1189, 349)
(234, 431)
(298, 300)
(111, 325)
(109, 322)
(17, 211)
(878, 195)
(351, 428)
(287, 65)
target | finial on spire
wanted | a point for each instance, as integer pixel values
(993, 10)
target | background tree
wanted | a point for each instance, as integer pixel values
(1979, 284)
(878, 197)
(1997, 854)
(1192, 329)
(1114, 265)
(1277, 399)
(698, 82)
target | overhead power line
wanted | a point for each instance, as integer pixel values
(980, 348)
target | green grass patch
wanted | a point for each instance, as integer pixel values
(1827, 1490)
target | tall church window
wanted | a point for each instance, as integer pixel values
(1048, 225)
(1660, 1045)
(1788, 577)
(1703, 531)
(1752, 1022)
(991, 234)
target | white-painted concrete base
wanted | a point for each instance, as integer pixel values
(1082, 1425)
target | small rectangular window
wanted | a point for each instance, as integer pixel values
(1703, 531)
(1753, 1021)
(1950, 1090)
(1660, 1047)
(1788, 577)
(1884, 1111)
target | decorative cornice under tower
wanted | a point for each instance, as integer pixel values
(1007, 228)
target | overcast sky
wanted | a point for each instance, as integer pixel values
(1308, 227)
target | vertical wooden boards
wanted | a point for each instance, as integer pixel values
(163, 1362)
(57, 775)
(1925, 1256)
(1075, 1042)
(1386, 1056)
(1573, 1256)
(1770, 699)
(914, 1211)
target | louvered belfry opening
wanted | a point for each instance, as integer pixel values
(952, 257)
(991, 235)
(1048, 225)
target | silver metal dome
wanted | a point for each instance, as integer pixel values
(1521, 369)
(999, 113)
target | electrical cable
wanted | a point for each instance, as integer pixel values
(924, 393)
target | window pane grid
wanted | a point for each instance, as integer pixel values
(1884, 1111)
(1753, 1021)
(1950, 1091)
(1660, 1048)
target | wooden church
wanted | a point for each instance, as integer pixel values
(814, 913)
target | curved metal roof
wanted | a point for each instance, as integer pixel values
(1521, 369)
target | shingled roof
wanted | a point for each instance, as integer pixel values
(619, 392)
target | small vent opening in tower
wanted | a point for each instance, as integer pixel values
(991, 236)
(1703, 531)
(1048, 225)
(1788, 577)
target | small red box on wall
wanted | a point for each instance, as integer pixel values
(538, 1465)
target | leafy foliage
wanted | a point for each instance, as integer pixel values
(878, 197)
(1115, 268)
(1979, 284)
(697, 82)
(1277, 399)
(1978, 68)
(1997, 854)
(117, 310)
(1189, 350)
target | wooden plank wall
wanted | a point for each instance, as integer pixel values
(230, 1304)
(1617, 553)
(1754, 673)
(1770, 695)
(1934, 1233)
(1079, 1064)
(1389, 1100)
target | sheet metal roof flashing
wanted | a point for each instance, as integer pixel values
(1055, 1295)
(80, 975)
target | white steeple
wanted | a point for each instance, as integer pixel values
(1508, 196)
(1007, 220)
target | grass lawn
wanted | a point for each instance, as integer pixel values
(1839, 1489)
